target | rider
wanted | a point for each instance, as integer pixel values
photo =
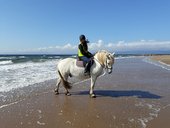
(84, 54)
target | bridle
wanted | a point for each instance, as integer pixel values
(105, 66)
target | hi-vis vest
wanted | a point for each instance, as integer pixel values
(79, 53)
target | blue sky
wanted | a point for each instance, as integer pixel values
(53, 26)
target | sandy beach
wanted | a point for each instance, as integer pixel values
(135, 95)
(163, 58)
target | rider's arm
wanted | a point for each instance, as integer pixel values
(91, 55)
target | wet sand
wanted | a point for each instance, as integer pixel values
(135, 95)
(163, 120)
(163, 58)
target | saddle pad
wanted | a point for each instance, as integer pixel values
(79, 63)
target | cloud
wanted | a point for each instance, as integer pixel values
(58, 49)
(142, 45)
(96, 46)
(120, 46)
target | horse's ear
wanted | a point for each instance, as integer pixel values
(113, 53)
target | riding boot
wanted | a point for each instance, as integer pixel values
(87, 68)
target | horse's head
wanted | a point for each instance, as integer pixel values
(109, 62)
(106, 59)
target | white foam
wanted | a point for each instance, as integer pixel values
(6, 62)
(145, 120)
(7, 105)
(157, 63)
(143, 123)
(164, 63)
(150, 106)
(74, 56)
(7, 58)
(22, 57)
(153, 114)
(57, 57)
(127, 57)
(25, 74)
(40, 123)
(154, 111)
(166, 106)
(131, 119)
(140, 104)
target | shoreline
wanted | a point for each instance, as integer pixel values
(161, 58)
(135, 95)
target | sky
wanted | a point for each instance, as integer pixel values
(54, 26)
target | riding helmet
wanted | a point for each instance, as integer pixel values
(82, 37)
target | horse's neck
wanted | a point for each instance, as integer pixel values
(101, 57)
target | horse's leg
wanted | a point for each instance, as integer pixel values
(67, 92)
(57, 86)
(93, 80)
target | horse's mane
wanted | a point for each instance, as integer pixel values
(102, 51)
(101, 56)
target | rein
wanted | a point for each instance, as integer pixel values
(102, 65)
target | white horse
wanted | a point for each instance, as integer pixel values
(68, 68)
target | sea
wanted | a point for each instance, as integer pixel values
(18, 71)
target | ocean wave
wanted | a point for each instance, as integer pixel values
(1, 58)
(24, 74)
(6, 62)
(22, 57)
(126, 57)
(7, 58)
(54, 57)
(74, 56)
(164, 63)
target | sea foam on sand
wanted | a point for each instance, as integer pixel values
(157, 63)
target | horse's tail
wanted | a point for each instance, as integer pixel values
(65, 83)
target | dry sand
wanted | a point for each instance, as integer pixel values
(162, 58)
(135, 95)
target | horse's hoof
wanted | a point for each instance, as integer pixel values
(92, 95)
(68, 94)
(56, 93)
(55, 90)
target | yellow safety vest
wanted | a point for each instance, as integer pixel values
(79, 53)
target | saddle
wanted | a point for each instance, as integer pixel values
(82, 64)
